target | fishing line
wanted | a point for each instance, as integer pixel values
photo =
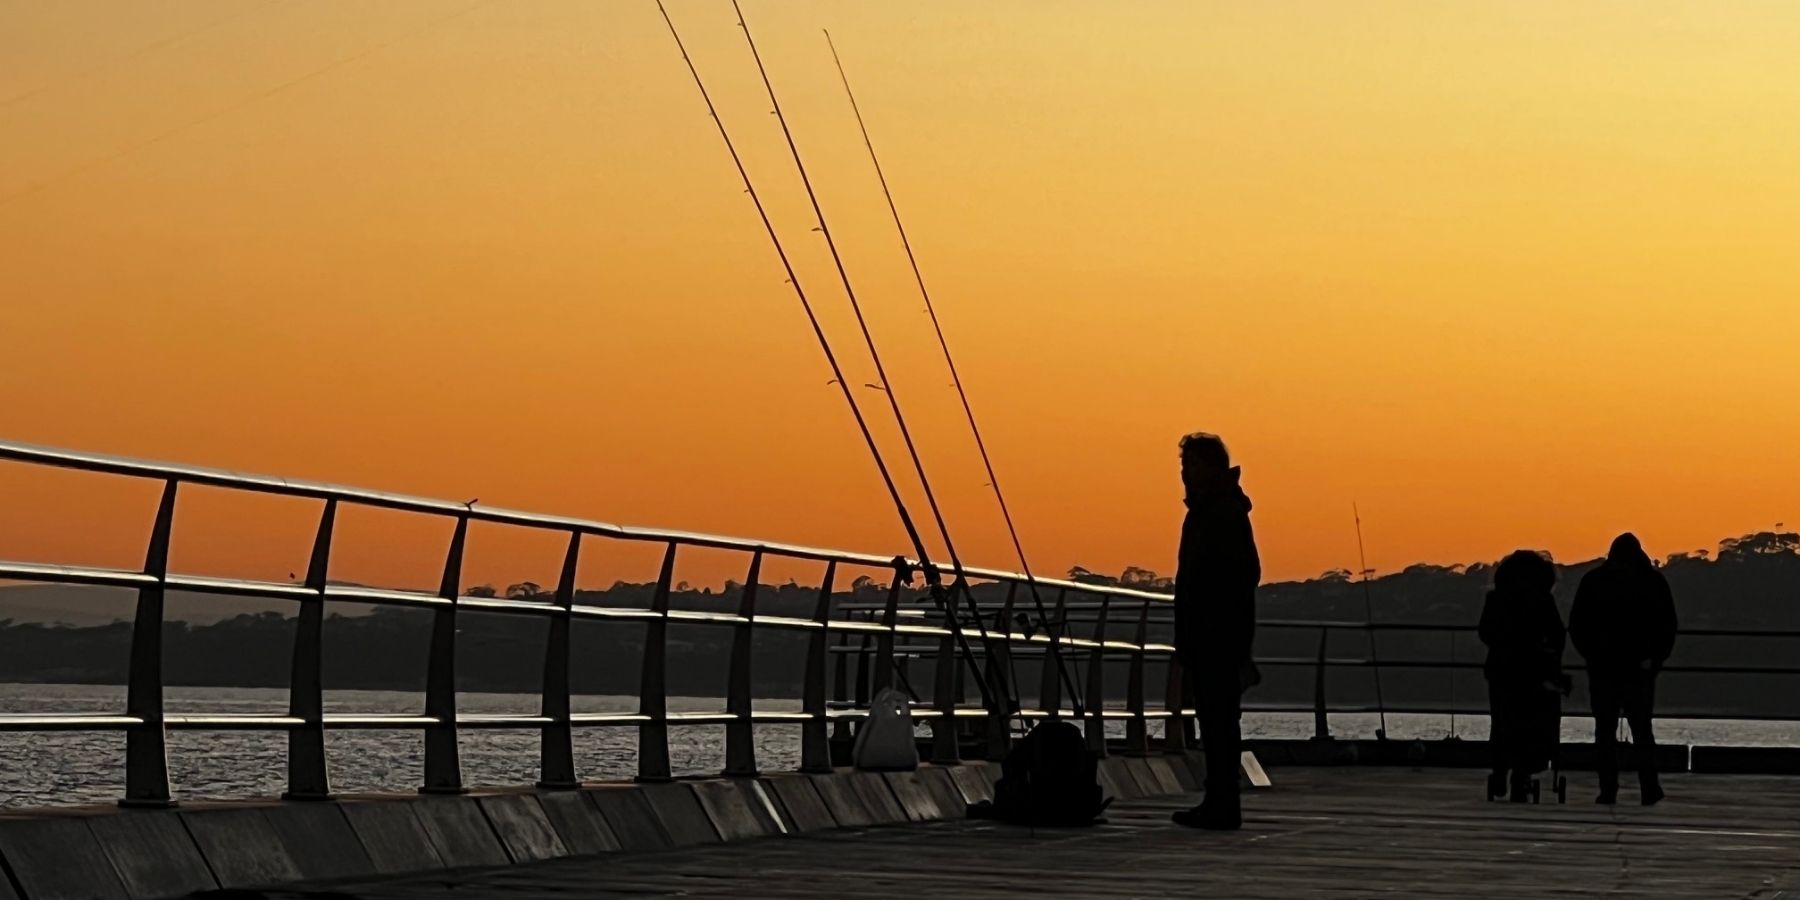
(887, 386)
(933, 580)
(955, 378)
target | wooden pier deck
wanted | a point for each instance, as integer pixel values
(1354, 832)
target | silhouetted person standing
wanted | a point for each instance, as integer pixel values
(1524, 636)
(1623, 624)
(1215, 618)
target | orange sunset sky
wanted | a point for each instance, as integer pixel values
(1505, 274)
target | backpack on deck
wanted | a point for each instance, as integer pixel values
(1048, 778)
(885, 741)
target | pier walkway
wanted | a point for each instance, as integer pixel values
(1002, 651)
(1320, 832)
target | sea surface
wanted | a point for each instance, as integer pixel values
(67, 768)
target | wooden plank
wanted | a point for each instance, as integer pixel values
(391, 833)
(1115, 779)
(54, 859)
(878, 797)
(627, 812)
(765, 806)
(578, 822)
(800, 803)
(972, 782)
(1147, 784)
(153, 853)
(241, 847)
(459, 831)
(917, 802)
(524, 831)
(680, 813)
(842, 799)
(319, 840)
(937, 781)
(1184, 774)
(1325, 833)
(1164, 774)
(729, 810)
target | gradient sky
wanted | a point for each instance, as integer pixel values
(1508, 274)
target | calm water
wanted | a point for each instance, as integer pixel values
(58, 768)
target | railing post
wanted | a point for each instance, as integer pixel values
(1452, 735)
(1321, 721)
(1096, 686)
(308, 778)
(815, 747)
(1137, 728)
(945, 696)
(740, 732)
(146, 752)
(653, 697)
(1050, 684)
(863, 693)
(884, 642)
(999, 678)
(443, 766)
(556, 742)
(840, 692)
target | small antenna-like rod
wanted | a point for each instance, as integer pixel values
(1369, 616)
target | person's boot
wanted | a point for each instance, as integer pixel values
(1221, 810)
(1650, 790)
(1609, 790)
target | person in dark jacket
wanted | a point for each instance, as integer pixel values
(1215, 618)
(1524, 636)
(1623, 624)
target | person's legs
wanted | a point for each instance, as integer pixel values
(1499, 723)
(1216, 705)
(1639, 699)
(1603, 692)
(1515, 702)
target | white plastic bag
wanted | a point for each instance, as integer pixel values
(886, 739)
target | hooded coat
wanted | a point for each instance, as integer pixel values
(1524, 636)
(1215, 584)
(1624, 613)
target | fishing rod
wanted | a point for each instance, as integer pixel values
(887, 386)
(933, 581)
(1369, 616)
(943, 343)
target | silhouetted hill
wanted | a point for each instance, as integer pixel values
(78, 604)
(1753, 582)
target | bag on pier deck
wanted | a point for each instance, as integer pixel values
(885, 741)
(1048, 778)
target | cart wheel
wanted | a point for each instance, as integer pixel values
(1562, 788)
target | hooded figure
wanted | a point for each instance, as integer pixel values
(1215, 618)
(1623, 624)
(1524, 636)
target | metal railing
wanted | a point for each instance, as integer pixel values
(1471, 659)
(880, 637)
(145, 719)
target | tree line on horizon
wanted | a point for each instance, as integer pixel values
(1750, 582)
